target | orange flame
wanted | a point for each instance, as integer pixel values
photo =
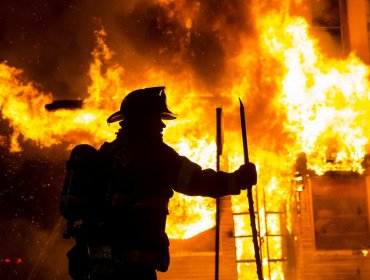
(326, 100)
(324, 104)
(22, 103)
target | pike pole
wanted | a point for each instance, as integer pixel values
(249, 195)
(219, 143)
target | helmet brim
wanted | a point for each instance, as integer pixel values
(119, 116)
(168, 116)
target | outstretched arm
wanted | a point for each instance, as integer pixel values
(193, 180)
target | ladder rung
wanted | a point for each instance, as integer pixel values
(275, 212)
(252, 260)
(243, 213)
(245, 261)
(243, 236)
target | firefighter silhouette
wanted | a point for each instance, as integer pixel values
(118, 195)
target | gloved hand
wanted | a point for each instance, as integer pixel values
(246, 175)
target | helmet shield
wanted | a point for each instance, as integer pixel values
(143, 102)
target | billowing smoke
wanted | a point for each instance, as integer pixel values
(52, 41)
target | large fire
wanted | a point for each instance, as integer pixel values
(326, 100)
(298, 100)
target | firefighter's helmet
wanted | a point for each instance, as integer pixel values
(146, 101)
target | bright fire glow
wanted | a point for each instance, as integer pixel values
(298, 101)
(326, 100)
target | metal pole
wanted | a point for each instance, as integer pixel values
(219, 153)
(249, 196)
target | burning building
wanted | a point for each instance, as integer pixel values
(300, 65)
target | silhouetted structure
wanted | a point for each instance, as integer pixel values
(64, 104)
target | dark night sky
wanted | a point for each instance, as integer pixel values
(50, 40)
